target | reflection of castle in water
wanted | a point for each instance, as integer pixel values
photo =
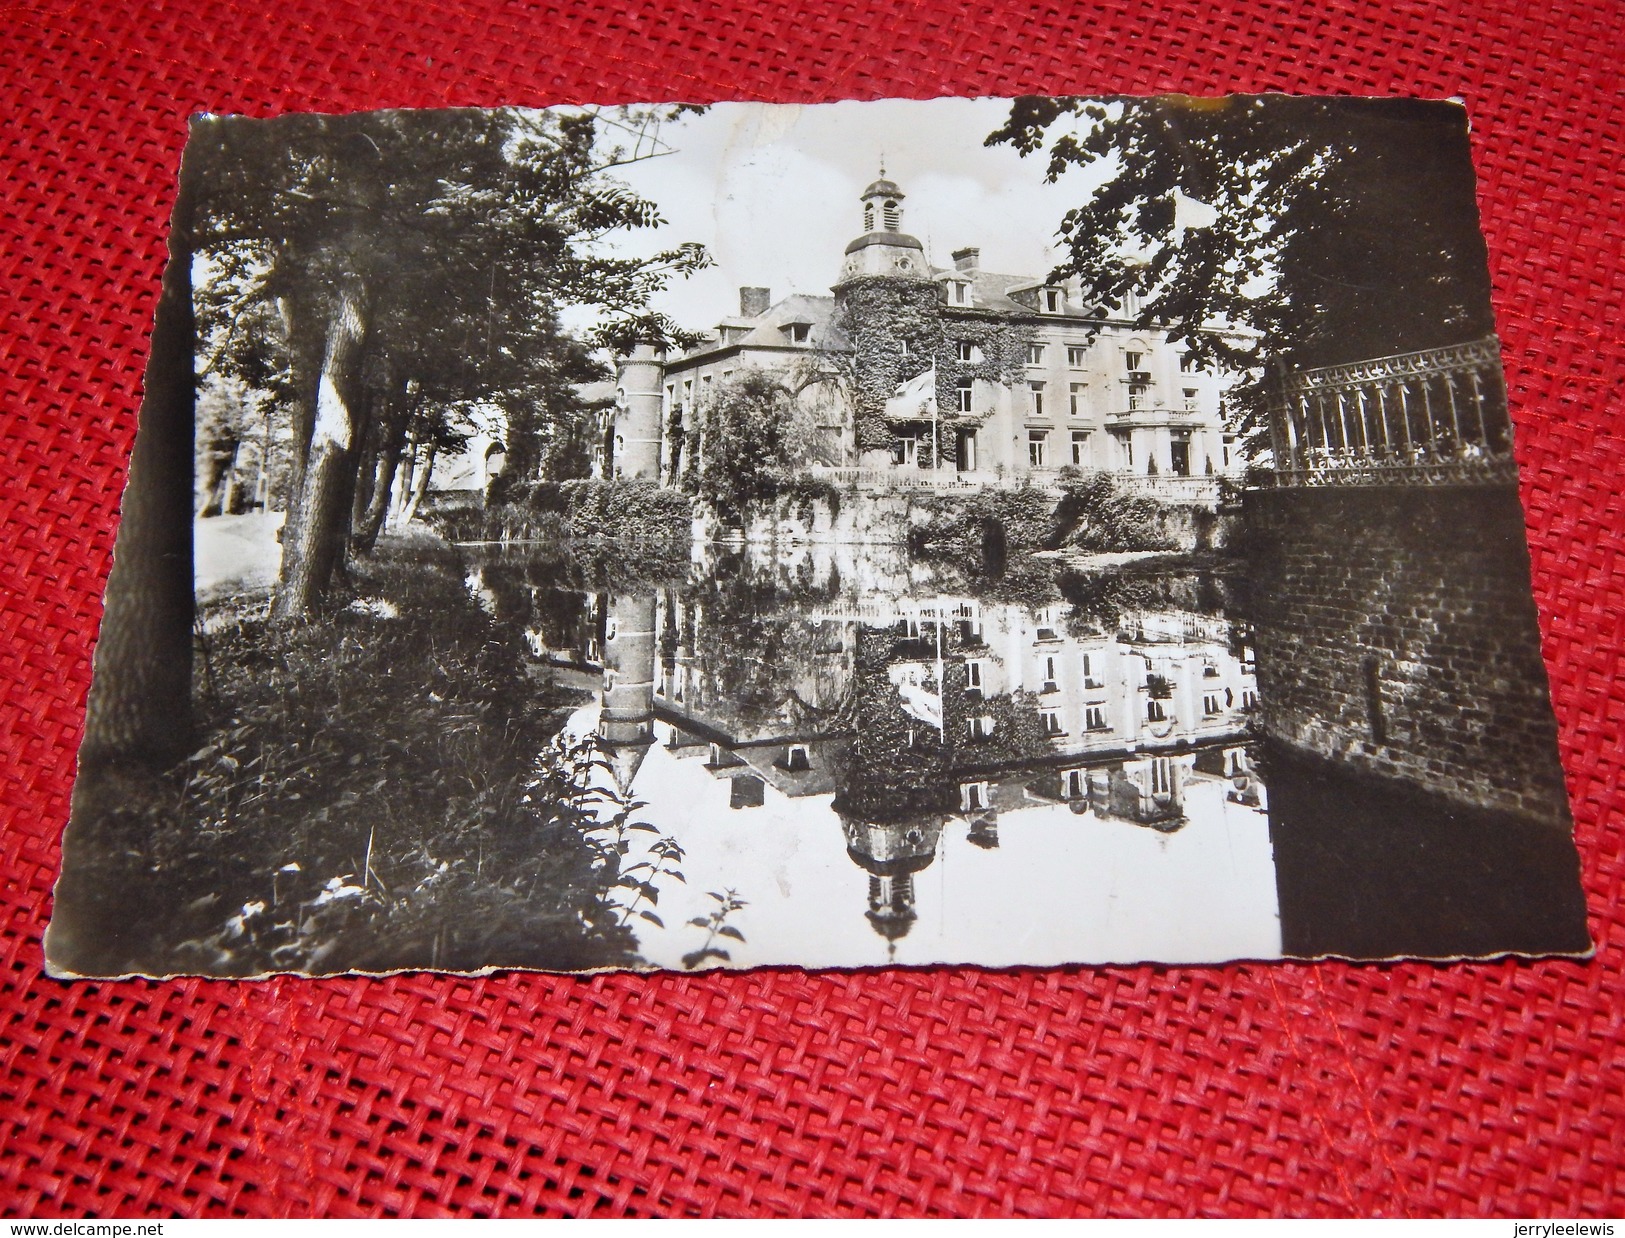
(919, 715)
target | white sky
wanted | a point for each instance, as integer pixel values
(772, 191)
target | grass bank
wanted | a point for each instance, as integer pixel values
(381, 787)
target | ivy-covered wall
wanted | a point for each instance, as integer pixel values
(878, 314)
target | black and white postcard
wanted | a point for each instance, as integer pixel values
(999, 532)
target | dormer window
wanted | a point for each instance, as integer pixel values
(1054, 300)
(798, 332)
(958, 292)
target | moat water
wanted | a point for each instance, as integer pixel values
(887, 760)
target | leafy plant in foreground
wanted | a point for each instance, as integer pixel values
(716, 925)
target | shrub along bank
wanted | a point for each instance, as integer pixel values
(989, 537)
(580, 509)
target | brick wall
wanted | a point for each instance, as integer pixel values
(1396, 636)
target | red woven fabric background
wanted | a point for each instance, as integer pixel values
(1405, 1089)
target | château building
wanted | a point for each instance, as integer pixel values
(911, 373)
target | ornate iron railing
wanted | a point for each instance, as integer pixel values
(1433, 417)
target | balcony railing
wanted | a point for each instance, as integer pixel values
(901, 476)
(1433, 417)
(1169, 487)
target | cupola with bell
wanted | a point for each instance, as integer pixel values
(884, 248)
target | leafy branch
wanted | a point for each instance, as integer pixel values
(716, 926)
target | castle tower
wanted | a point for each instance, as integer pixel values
(884, 248)
(887, 302)
(626, 720)
(636, 438)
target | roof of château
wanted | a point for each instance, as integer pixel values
(990, 290)
(767, 330)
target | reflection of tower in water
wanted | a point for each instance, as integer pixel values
(892, 853)
(626, 721)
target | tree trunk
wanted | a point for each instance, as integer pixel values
(302, 417)
(403, 494)
(366, 474)
(317, 508)
(392, 441)
(215, 463)
(425, 471)
(141, 696)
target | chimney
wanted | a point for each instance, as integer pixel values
(967, 259)
(753, 302)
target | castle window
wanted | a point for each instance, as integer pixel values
(1054, 299)
(1074, 784)
(1211, 706)
(980, 727)
(1080, 447)
(962, 394)
(1139, 396)
(795, 758)
(1038, 448)
(973, 796)
(1162, 780)
(1050, 684)
(966, 351)
(798, 332)
(1076, 356)
(973, 676)
(1036, 390)
(1154, 712)
(1132, 360)
(1089, 678)
(1094, 718)
(1035, 354)
(1052, 723)
(958, 292)
(902, 348)
(1190, 399)
(1078, 398)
